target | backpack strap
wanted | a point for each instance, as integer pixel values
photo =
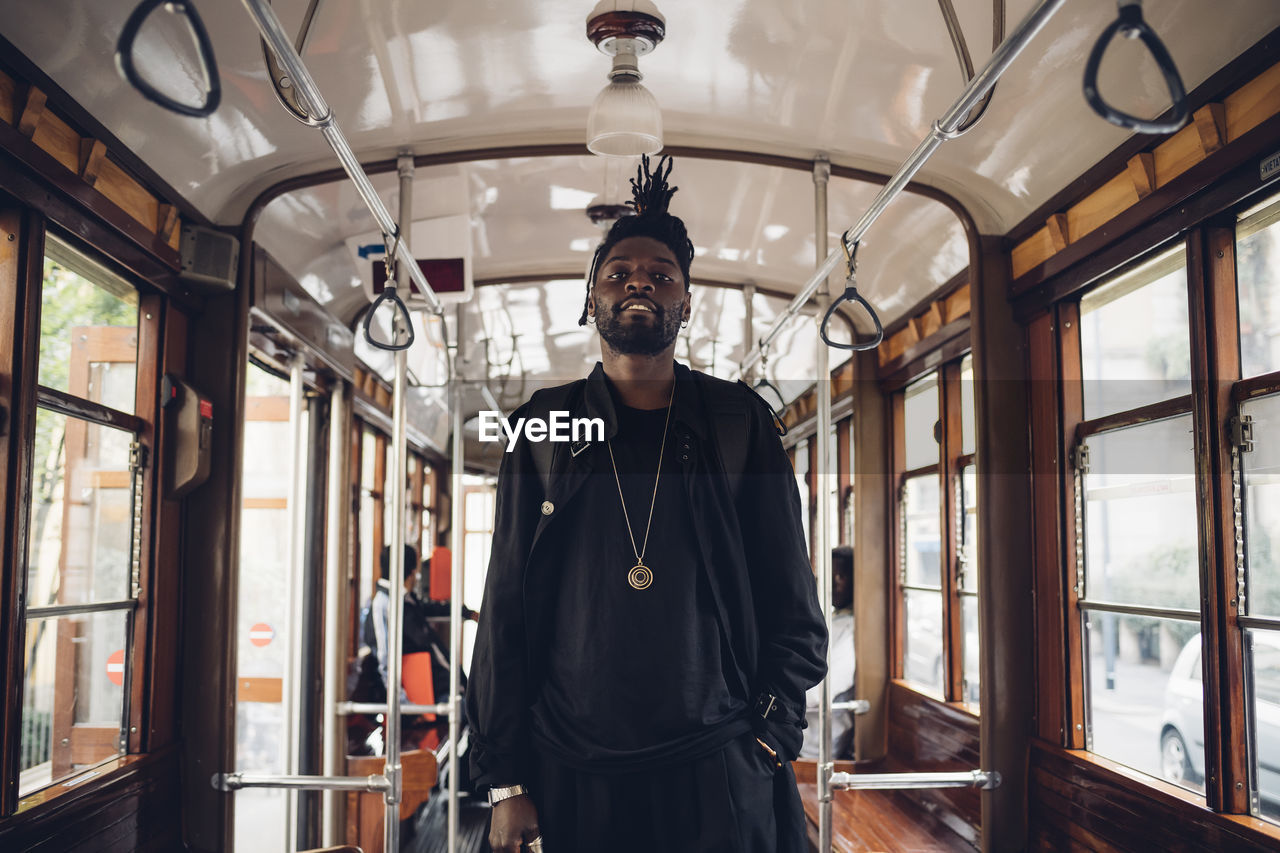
(731, 423)
(540, 405)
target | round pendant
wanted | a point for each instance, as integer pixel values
(640, 577)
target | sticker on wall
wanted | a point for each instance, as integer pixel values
(261, 634)
(115, 667)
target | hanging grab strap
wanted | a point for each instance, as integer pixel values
(851, 295)
(399, 312)
(124, 58)
(1130, 24)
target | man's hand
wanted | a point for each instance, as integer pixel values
(515, 821)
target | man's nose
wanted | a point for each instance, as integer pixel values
(639, 280)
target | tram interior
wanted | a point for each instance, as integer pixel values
(1056, 466)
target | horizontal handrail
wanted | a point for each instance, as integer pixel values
(985, 779)
(347, 708)
(857, 706)
(237, 781)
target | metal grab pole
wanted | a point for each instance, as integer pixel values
(822, 538)
(335, 601)
(273, 33)
(293, 585)
(943, 129)
(455, 587)
(396, 494)
(985, 779)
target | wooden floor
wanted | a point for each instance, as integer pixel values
(880, 821)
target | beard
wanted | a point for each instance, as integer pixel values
(627, 337)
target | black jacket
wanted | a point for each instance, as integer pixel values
(752, 547)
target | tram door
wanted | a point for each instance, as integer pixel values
(267, 636)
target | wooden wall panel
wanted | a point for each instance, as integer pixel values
(1253, 103)
(59, 139)
(1079, 802)
(928, 735)
(132, 809)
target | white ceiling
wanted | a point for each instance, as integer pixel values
(859, 80)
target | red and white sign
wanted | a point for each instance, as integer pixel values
(261, 634)
(115, 667)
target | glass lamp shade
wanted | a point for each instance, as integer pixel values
(625, 121)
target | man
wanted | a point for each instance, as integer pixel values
(842, 662)
(650, 621)
(376, 614)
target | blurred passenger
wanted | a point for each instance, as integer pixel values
(842, 663)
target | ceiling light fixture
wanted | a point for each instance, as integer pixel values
(625, 120)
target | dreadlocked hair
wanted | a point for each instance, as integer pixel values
(650, 198)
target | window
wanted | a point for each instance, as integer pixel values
(937, 544)
(1258, 292)
(1258, 288)
(1134, 337)
(84, 555)
(1136, 547)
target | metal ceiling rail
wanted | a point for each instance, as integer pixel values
(273, 33)
(943, 129)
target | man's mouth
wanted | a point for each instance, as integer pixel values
(638, 305)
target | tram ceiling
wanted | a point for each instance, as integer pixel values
(859, 81)
(751, 223)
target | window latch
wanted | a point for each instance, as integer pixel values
(1080, 458)
(1242, 433)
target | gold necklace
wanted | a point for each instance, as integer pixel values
(641, 575)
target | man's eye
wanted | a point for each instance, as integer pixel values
(660, 277)
(618, 274)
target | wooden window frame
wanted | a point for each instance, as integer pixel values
(148, 718)
(948, 469)
(1217, 391)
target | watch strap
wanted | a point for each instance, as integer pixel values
(497, 795)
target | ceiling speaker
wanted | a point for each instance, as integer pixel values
(209, 258)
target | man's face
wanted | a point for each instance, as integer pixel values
(841, 587)
(639, 298)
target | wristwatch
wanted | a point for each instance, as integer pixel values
(497, 795)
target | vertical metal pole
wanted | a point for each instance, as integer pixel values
(455, 595)
(396, 493)
(335, 605)
(822, 539)
(293, 587)
(748, 328)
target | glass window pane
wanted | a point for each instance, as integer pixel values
(968, 418)
(1140, 516)
(1145, 695)
(81, 513)
(922, 641)
(920, 414)
(1264, 669)
(1258, 289)
(1261, 469)
(969, 604)
(1134, 338)
(88, 329)
(73, 695)
(922, 531)
(969, 530)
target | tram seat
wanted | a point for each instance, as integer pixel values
(365, 810)
(875, 820)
